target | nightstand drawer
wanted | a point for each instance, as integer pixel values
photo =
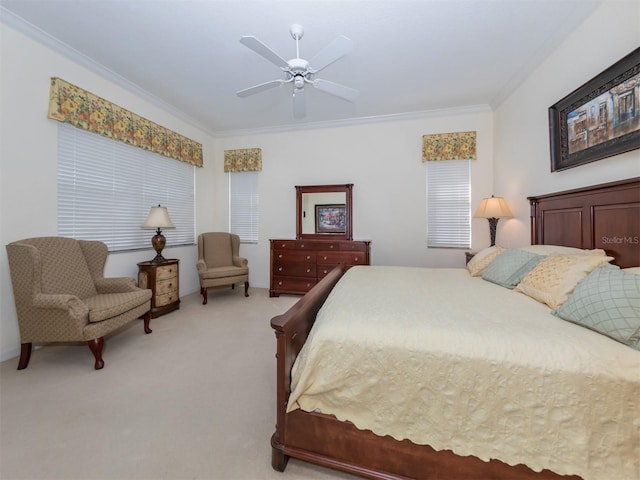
(166, 299)
(168, 271)
(166, 286)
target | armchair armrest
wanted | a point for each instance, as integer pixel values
(201, 266)
(240, 261)
(115, 284)
(75, 307)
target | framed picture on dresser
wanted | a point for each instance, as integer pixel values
(331, 218)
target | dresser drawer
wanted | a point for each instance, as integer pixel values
(293, 256)
(169, 271)
(349, 258)
(284, 244)
(293, 284)
(354, 246)
(294, 269)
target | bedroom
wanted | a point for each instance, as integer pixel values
(514, 156)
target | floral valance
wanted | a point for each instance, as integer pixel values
(449, 146)
(71, 104)
(243, 160)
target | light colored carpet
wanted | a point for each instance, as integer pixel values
(193, 400)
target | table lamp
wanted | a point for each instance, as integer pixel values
(158, 218)
(493, 209)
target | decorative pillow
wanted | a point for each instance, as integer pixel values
(635, 270)
(559, 249)
(555, 277)
(483, 258)
(607, 301)
(510, 267)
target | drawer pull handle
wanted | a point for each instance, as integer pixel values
(331, 246)
(308, 270)
(279, 269)
(325, 271)
(280, 283)
(356, 259)
(280, 256)
(284, 245)
(302, 245)
(308, 257)
(325, 257)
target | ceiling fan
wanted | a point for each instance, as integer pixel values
(299, 71)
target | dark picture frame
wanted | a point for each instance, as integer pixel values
(331, 218)
(599, 119)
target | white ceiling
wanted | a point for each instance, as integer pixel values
(409, 56)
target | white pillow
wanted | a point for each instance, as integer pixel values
(483, 258)
(559, 249)
(555, 277)
(635, 270)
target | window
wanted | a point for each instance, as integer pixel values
(243, 205)
(106, 188)
(449, 204)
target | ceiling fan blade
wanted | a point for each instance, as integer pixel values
(261, 49)
(329, 54)
(299, 107)
(259, 88)
(336, 89)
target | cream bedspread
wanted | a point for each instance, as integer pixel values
(461, 364)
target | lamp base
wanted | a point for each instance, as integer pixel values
(158, 242)
(493, 225)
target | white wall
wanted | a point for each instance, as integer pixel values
(521, 123)
(28, 162)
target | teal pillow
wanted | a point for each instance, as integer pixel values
(510, 267)
(607, 301)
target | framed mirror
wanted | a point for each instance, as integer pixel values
(324, 211)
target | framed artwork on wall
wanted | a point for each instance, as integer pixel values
(599, 119)
(331, 218)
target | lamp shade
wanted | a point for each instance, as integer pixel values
(494, 207)
(158, 218)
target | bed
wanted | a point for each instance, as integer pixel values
(541, 400)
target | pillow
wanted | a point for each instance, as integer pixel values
(483, 258)
(551, 249)
(510, 267)
(635, 270)
(555, 277)
(607, 301)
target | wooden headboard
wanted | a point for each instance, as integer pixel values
(603, 216)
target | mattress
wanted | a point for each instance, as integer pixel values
(458, 363)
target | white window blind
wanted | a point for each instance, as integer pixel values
(106, 188)
(449, 204)
(243, 205)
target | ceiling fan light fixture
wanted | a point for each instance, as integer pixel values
(300, 71)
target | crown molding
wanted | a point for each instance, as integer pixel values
(18, 23)
(396, 117)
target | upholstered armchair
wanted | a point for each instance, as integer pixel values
(219, 262)
(61, 294)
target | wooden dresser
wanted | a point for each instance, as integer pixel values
(162, 279)
(297, 265)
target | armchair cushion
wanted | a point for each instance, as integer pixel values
(109, 305)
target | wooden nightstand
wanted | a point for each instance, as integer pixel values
(469, 256)
(162, 280)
